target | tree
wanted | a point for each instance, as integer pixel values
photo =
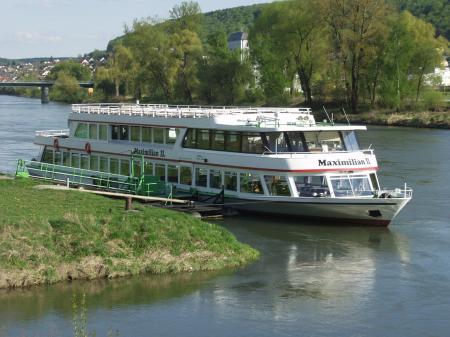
(71, 68)
(187, 16)
(66, 89)
(355, 26)
(121, 66)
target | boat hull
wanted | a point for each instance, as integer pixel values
(371, 212)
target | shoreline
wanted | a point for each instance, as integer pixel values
(51, 236)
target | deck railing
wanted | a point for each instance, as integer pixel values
(53, 133)
(179, 111)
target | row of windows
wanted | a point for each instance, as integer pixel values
(259, 142)
(127, 133)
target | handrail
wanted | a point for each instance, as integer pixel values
(269, 152)
(53, 133)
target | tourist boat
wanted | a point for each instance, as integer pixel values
(266, 160)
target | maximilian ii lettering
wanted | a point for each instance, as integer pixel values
(348, 162)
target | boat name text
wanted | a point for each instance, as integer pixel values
(347, 162)
(149, 152)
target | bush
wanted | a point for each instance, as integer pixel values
(433, 100)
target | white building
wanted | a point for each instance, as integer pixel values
(239, 40)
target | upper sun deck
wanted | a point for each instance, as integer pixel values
(269, 118)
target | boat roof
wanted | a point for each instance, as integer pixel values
(224, 117)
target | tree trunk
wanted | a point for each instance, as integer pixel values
(305, 82)
(117, 87)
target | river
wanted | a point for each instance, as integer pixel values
(311, 280)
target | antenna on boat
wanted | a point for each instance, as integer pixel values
(330, 119)
(346, 116)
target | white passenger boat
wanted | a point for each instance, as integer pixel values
(266, 160)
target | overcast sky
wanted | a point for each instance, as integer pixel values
(34, 28)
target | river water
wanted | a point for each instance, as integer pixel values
(310, 281)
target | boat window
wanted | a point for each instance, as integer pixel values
(172, 135)
(324, 141)
(119, 132)
(232, 141)
(92, 131)
(361, 185)
(252, 143)
(135, 134)
(312, 186)
(160, 171)
(357, 185)
(75, 160)
(81, 130)
(66, 158)
(201, 177)
(137, 167)
(158, 135)
(276, 142)
(114, 165)
(218, 140)
(230, 179)
(203, 139)
(350, 140)
(146, 135)
(190, 140)
(124, 132)
(148, 168)
(297, 141)
(104, 164)
(374, 180)
(172, 174)
(277, 185)
(125, 167)
(251, 183)
(84, 162)
(102, 132)
(186, 175)
(47, 156)
(58, 157)
(215, 179)
(93, 163)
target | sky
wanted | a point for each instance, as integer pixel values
(58, 28)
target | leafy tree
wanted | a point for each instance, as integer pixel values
(187, 16)
(71, 68)
(121, 66)
(66, 89)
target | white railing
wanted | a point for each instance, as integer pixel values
(53, 133)
(179, 111)
(269, 152)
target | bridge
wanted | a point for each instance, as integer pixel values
(44, 85)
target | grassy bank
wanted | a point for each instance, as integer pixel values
(48, 236)
(424, 119)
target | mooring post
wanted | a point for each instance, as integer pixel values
(128, 201)
(44, 94)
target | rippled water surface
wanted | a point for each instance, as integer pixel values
(310, 281)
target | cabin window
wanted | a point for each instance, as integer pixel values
(350, 140)
(120, 132)
(81, 130)
(297, 141)
(324, 141)
(186, 175)
(172, 174)
(190, 140)
(102, 132)
(135, 134)
(137, 168)
(230, 179)
(218, 140)
(276, 142)
(93, 163)
(277, 185)
(172, 135)
(47, 156)
(374, 180)
(203, 139)
(158, 135)
(160, 171)
(251, 183)
(148, 167)
(58, 157)
(146, 135)
(251, 143)
(201, 177)
(125, 167)
(215, 179)
(312, 186)
(114, 165)
(357, 185)
(115, 130)
(232, 141)
(75, 160)
(103, 161)
(66, 158)
(92, 131)
(84, 162)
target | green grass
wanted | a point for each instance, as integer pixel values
(48, 236)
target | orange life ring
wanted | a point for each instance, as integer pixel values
(87, 148)
(56, 144)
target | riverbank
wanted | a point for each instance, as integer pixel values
(424, 119)
(48, 236)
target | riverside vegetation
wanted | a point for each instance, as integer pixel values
(47, 236)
